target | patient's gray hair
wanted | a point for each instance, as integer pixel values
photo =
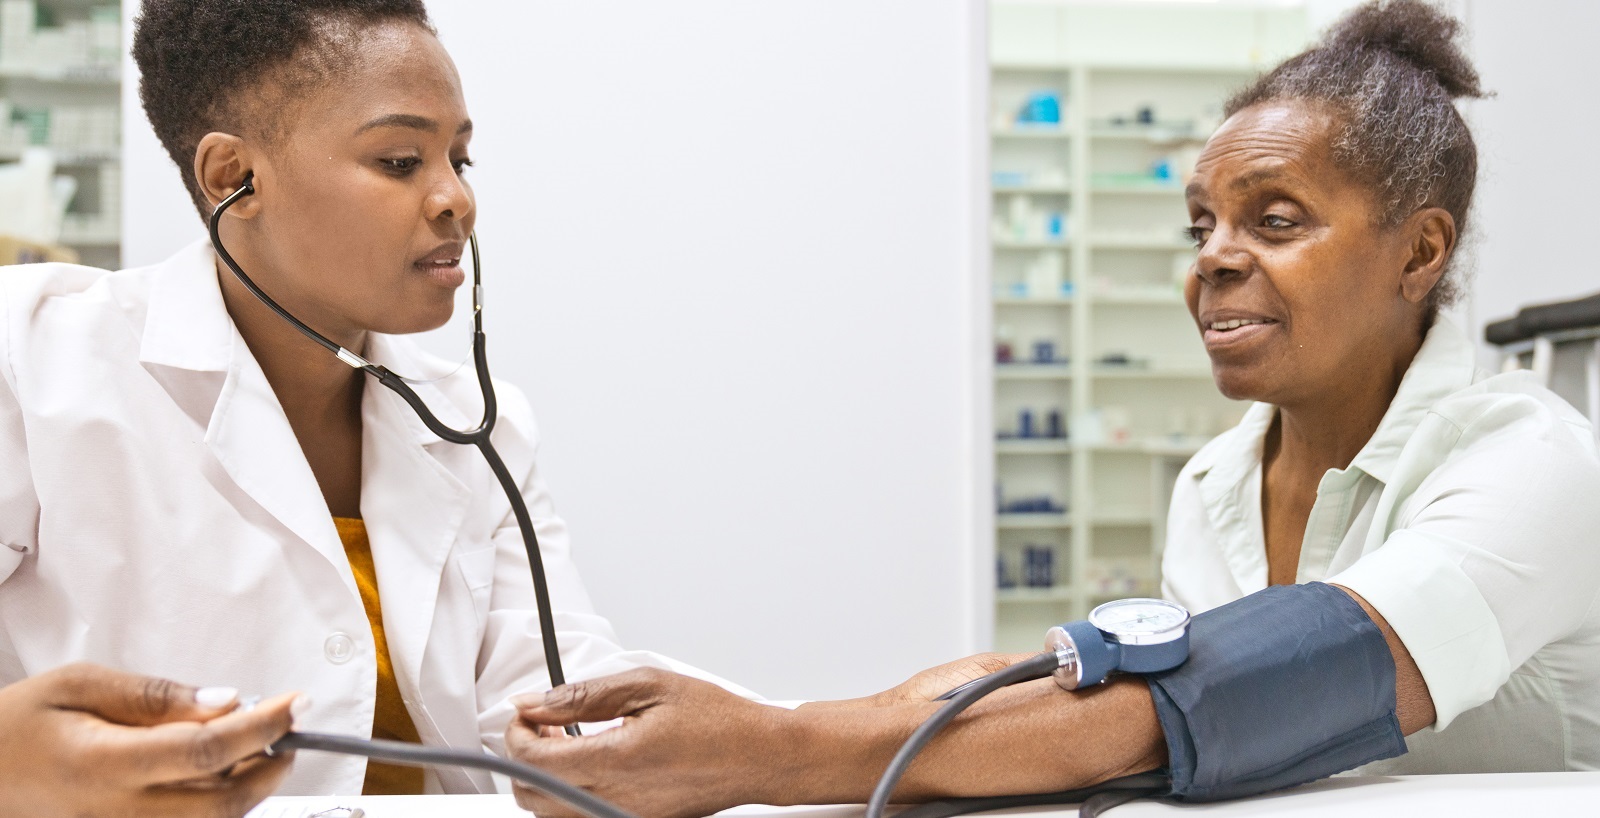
(1391, 69)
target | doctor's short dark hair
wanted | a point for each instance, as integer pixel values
(1391, 70)
(231, 65)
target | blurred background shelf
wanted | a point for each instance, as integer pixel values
(1089, 260)
(61, 89)
(1024, 596)
(1020, 522)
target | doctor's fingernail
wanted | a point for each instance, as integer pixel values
(299, 707)
(215, 698)
(527, 700)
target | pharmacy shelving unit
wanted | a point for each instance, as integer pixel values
(1089, 257)
(60, 87)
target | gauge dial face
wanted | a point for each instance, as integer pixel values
(1141, 621)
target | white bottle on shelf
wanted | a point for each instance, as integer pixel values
(1046, 275)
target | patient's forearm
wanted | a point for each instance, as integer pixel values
(1032, 737)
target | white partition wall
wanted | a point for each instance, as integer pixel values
(734, 254)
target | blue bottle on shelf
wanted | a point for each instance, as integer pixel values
(1041, 108)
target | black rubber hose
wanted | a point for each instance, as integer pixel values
(1036, 667)
(416, 755)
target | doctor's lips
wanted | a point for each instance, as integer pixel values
(443, 264)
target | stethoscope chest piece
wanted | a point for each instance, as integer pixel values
(1128, 635)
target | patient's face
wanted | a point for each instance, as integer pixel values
(1296, 286)
(362, 202)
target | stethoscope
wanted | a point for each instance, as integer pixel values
(1069, 654)
(478, 437)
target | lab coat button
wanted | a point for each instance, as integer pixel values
(339, 648)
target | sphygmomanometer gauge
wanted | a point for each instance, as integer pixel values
(1128, 635)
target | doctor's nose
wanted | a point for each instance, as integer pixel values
(451, 199)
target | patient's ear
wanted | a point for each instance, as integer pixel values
(221, 164)
(1432, 233)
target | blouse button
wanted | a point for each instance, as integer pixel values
(339, 648)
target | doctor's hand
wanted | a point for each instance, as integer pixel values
(685, 747)
(87, 740)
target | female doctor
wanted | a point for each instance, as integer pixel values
(195, 491)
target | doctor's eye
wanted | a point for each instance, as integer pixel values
(461, 165)
(400, 165)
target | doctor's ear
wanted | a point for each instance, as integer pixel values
(223, 164)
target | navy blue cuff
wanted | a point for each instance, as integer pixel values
(1285, 686)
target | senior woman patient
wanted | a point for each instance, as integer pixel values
(1377, 469)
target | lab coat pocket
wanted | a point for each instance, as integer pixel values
(477, 572)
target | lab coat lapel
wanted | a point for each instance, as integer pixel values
(251, 437)
(192, 348)
(413, 506)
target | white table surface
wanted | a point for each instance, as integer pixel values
(1508, 795)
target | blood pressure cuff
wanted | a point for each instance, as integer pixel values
(1285, 686)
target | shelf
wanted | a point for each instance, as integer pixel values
(109, 76)
(1154, 446)
(1063, 66)
(1015, 522)
(1037, 190)
(1055, 594)
(1032, 372)
(1139, 299)
(1031, 66)
(1152, 189)
(1141, 243)
(1123, 246)
(1142, 372)
(69, 156)
(1155, 135)
(89, 238)
(1029, 244)
(1026, 133)
(1179, 68)
(1142, 588)
(1036, 522)
(1050, 372)
(1031, 445)
(1111, 299)
(1123, 518)
(1030, 301)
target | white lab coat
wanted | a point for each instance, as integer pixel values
(157, 515)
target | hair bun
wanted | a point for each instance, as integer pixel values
(1413, 31)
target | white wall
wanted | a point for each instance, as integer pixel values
(1538, 174)
(733, 255)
